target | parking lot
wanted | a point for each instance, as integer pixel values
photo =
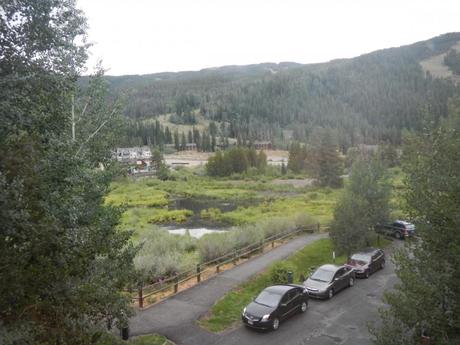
(341, 320)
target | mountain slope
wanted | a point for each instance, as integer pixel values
(366, 99)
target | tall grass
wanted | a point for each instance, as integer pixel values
(212, 246)
(163, 254)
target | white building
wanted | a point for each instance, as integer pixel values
(133, 154)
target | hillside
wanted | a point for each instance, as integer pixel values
(367, 99)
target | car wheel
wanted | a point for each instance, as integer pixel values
(382, 265)
(303, 307)
(276, 324)
(398, 235)
(366, 274)
(330, 293)
(351, 282)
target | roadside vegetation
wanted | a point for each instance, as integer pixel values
(151, 339)
(426, 302)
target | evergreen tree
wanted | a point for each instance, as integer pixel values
(183, 142)
(176, 140)
(261, 161)
(283, 168)
(157, 159)
(427, 299)
(327, 164)
(363, 204)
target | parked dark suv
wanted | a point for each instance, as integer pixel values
(273, 305)
(367, 262)
(327, 280)
(398, 229)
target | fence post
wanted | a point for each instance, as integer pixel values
(273, 244)
(198, 273)
(235, 256)
(176, 284)
(262, 245)
(317, 227)
(141, 296)
(218, 268)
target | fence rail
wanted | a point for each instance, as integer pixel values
(213, 266)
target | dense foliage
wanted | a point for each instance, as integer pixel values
(427, 299)
(320, 158)
(63, 263)
(368, 99)
(236, 160)
(363, 204)
(452, 59)
(152, 133)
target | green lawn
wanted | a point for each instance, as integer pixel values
(153, 339)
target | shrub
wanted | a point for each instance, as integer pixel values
(279, 272)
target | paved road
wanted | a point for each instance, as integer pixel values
(342, 320)
(176, 316)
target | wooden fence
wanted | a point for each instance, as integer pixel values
(170, 286)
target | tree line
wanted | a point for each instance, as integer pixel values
(425, 303)
(236, 160)
(369, 99)
(152, 133)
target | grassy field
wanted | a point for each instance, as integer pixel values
(263, 206)
(227, 311)
(147, 200)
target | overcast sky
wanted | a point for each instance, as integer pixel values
(148, 36)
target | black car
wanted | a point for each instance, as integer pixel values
(367, 262)
(399, 229)
(327, 280)
(275, 304)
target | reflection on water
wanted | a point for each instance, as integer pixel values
(197, 233)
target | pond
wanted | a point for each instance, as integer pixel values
(194, 232)
(196, 205)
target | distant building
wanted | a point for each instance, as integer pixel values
(190, 147)
(133, 155)
(262, 145)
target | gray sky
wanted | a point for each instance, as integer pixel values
(148, 36)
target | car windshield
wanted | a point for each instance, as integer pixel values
(322, 275)
(268, 298)
(361, 258)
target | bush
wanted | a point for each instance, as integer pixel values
(163, 254)
(279, 272)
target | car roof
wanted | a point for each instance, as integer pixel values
(368, 251)
(280, 289)
(329, 267)
(402, 222)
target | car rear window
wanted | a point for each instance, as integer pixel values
(268, 298)
(322, 275)
(361, 257)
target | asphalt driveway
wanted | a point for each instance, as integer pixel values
(342, 320)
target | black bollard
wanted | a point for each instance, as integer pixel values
(290, 277)
(125, 333)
